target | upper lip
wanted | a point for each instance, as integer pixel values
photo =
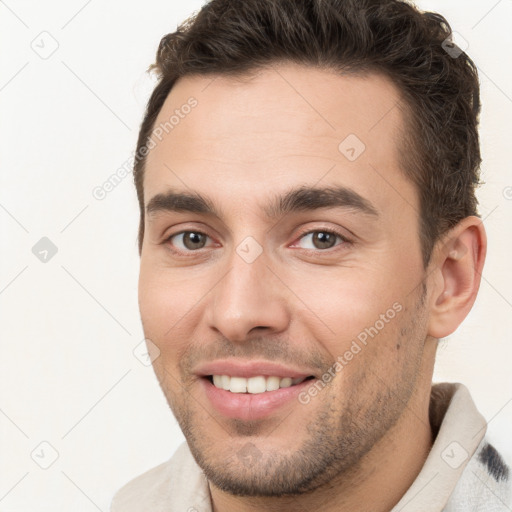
(247, 369)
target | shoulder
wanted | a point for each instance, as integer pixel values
(485, 483)
(177, 484)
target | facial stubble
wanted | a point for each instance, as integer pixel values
(337, 440)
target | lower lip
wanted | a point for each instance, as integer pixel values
(248, 406)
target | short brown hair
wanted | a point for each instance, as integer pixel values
(440, 150)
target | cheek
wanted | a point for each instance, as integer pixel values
(349, 300)
(163, 295)
(359, 316)
(166, 305)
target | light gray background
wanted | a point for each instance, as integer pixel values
(69, 376)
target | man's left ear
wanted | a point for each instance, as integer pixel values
(457, 263)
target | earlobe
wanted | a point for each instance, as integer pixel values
(458, 261)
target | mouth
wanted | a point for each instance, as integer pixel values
(254, 385)
(254, 389)
(254, 398)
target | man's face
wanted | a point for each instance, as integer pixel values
(300, 284)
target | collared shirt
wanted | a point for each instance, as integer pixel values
(463, 471)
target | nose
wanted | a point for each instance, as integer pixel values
(247, 300)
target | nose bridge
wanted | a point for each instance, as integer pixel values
(248, 296)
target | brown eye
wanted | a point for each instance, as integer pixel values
(320, 239)
(324, 240)
(189, 240)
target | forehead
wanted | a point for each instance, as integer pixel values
(285, 124)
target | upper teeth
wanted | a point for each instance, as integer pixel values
(258, 384)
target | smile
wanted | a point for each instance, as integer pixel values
(254, 385)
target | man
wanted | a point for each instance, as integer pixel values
(306, 172)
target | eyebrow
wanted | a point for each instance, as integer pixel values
(295, 200)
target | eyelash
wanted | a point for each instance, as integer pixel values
(343, 238)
